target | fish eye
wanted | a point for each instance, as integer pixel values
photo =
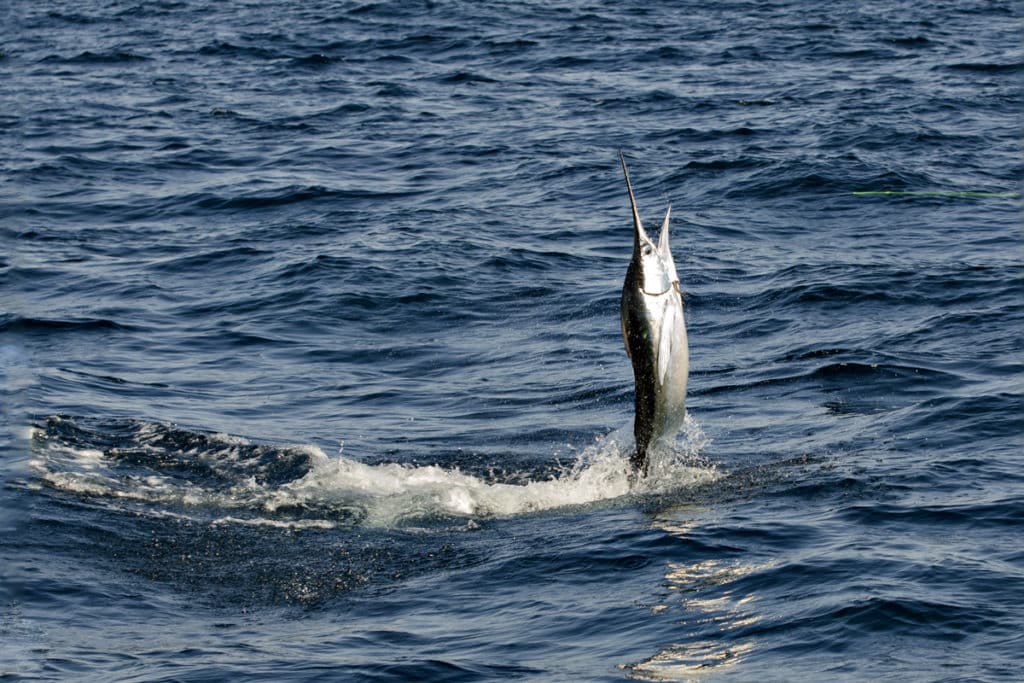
(647, 251)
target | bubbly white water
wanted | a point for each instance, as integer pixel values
(380, 495)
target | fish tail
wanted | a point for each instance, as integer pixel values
(639, 461)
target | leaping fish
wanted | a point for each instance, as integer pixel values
(655, 335)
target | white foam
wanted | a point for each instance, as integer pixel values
(391, 493)
(278, 524)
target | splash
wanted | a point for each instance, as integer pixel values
(393, 493)
(157, 469)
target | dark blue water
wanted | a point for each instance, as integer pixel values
(312, 362)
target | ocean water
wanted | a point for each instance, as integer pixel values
(311, 357)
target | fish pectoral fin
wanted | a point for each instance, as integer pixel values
(665, 343)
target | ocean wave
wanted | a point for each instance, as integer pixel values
(117, 57)
(988, 67)
(28, 325)
(996, 514)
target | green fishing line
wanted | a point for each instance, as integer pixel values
(937, 193)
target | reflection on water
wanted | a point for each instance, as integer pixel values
(710, 610)
(690, 661)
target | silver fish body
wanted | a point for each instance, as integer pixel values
(654, 330)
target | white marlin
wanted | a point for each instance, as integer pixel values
(655, 335)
